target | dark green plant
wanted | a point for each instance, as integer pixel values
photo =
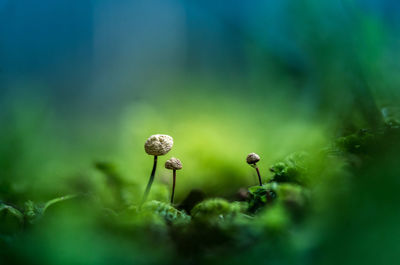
(11, 220)
(291, 195)
(260, 196)
(33, 212)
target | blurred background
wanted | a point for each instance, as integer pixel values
(83, 81)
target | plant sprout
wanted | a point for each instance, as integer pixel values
(156, 145)
(252, 160)
(174, 164)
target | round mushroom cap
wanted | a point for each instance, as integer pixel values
(252, 158)
(158, 144)
(173, 163)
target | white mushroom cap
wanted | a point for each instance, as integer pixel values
(158, 144)
(252, 158)
(173, 163)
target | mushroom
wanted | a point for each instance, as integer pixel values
(174, 164)
(252, 160)
(156, 145)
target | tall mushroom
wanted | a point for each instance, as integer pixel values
(252, 160)
(156, 145)
(174, 164)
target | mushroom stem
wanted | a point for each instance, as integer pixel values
(153, 172)
(258, 173)
(173, 185)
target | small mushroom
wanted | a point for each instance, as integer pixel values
(156, 145)
(173, 164)
(252, 160)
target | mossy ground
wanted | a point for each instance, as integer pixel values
(283, 221)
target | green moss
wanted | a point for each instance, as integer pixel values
(292, 195)
(260, 196)
(215, 211)
(292, 169)
(170, 214)
(31, 211)
(356, 143)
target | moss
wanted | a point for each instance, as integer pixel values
(215, 211)
(166, 211)
(260, 196)
(356, 143)
(31, 211)
(291, 195)
(292, 169)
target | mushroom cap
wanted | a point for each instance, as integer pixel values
(173, 163)
(252, 158)
(158, 144)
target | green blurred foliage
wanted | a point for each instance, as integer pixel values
(332, 192)
(11, 220)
